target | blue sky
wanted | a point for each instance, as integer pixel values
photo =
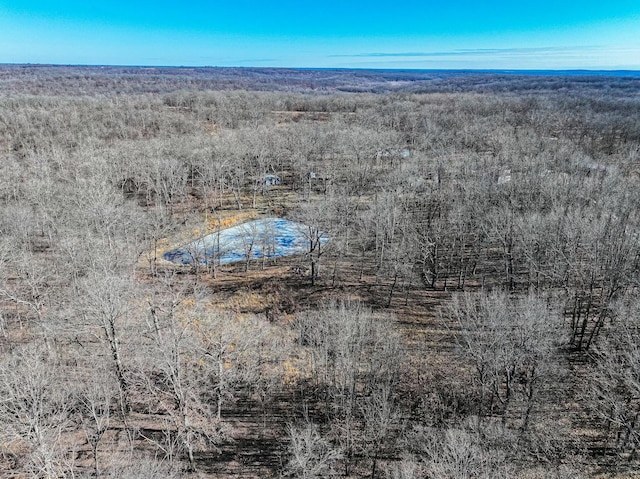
(458, 34)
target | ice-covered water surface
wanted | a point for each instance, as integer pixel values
(270, 237)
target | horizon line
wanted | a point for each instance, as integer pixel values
(245, 67)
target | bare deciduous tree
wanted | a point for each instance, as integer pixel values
(311, 455)
(509, 342)
(35, 411)
(615, 384)
(105, 302)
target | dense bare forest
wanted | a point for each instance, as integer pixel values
(466, 306)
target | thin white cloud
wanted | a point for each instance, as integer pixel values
(478, 52)
(576, 57)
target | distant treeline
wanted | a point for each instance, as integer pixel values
(101, 80)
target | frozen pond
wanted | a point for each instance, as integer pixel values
(270, 238)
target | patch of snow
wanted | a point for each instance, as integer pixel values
(270, 238)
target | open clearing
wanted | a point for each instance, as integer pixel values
(264, 238)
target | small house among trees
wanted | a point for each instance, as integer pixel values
(271, 180)
(393, 155)
(594, 168)
(504, 177)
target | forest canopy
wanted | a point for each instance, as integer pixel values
(465, 303)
